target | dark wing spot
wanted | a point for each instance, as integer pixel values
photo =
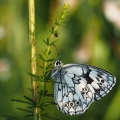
(71, 104)
(65, 104)
(102, 81)
(86, 76)
(100, 84)
(77, 103)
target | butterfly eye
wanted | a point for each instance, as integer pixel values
(58, 63)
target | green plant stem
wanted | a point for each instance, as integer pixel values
(33, 57)
(48, 50)
(57, 24)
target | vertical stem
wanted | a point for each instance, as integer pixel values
(32, 41)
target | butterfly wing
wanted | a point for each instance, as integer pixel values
(102, 81)
(70, 100)
(79, 86)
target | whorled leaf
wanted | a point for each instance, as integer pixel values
(8, 117)
(28, 115)
(29, 99)
(24, 110)
(48, 104)
(17, 100)
(41, 57)
(47, 115)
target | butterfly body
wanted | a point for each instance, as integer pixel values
(77, 86)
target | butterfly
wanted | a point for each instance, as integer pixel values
(78, 85)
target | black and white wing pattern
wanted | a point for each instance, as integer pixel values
(77, 86)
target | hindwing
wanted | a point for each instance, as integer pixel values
(77, 86)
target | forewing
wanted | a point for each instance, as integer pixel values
(99, 80)
(102, 83)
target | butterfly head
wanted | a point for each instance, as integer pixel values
(58, 63)
(57, 68)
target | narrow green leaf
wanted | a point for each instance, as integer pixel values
(41, 57)
(24, 110)
(29, 99)
(32, 75)
(46, 115)
(49, 66)
(53, 42)
(31, 107)
(45, 92)
(17, 100)
(11, 117)
(48, 76)
(48, 41)
(47, 73)
(42, 109)
(49, 60)
(36, 76)
(40, 66)
(40, 96)
(50, 95)
(42, 80)
(28, 115)
(44, 41)
(47, 95)
(56, 22)
(44, 52)
(49, 52)
(51, 30)
(29, 89)
(48, 104)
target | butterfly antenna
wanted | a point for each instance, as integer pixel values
(60, 54)
(57, 51)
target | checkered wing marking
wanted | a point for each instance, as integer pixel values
(80, 86)
(72, 95)
(74, 99)
(101, 81)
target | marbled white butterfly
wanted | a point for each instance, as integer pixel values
(77, 86)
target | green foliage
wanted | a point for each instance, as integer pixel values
(47, 62)
(11, 117)
(89, 37)
(47, 115)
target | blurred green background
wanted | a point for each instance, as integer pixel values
(91, 36)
